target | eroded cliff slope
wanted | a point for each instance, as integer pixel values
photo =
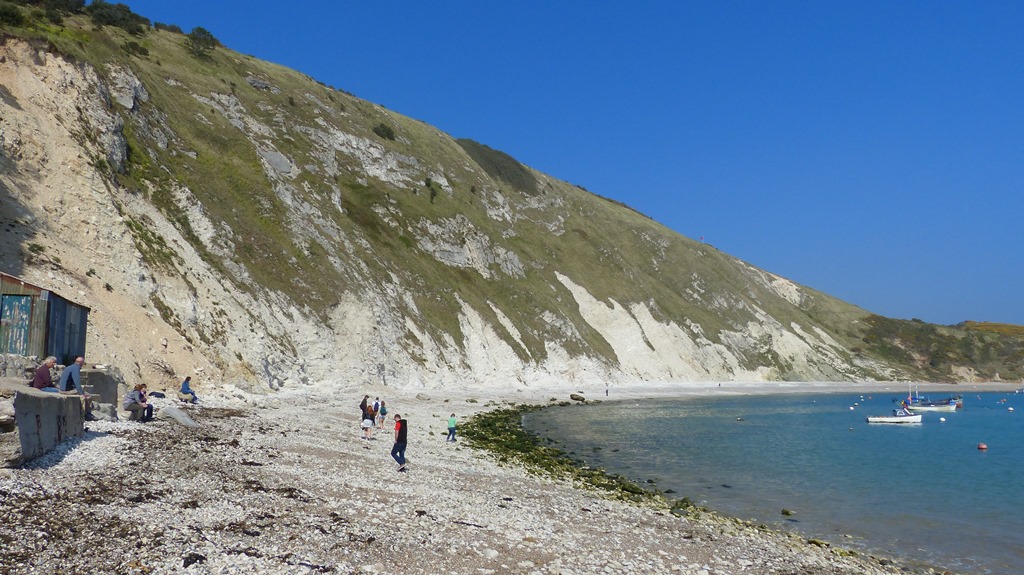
(225, 215)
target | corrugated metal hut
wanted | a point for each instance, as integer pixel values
(35, 321)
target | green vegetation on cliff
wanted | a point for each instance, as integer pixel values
(311, 194)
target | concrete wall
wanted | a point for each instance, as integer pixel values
(46, 419)
(43, 419)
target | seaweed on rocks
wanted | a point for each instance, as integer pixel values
(501, 433)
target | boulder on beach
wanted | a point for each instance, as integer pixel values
(176, 414)
(6, 415)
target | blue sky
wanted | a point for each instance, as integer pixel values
(870, 150)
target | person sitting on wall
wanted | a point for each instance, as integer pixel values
(136, 403)
(42, 380)
(186, 389)
(71, 382)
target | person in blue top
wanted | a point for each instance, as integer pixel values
(72, 377)
(71, 381)
(186, 389)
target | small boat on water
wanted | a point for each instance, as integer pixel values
(898, 416)
(919, 405)
(916, 403)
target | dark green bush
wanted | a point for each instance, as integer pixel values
(200, 41)
(132, 47)
(384, 131)
(501, 166)
(67, 6)
(10, 15)
(120, 15)
(168, 27)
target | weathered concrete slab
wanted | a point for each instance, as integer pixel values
(46, 419)
(103, 383)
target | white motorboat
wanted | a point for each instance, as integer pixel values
(898, 416)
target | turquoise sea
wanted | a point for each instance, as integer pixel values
(923, 493)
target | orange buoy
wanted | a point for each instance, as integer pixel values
(982, 446)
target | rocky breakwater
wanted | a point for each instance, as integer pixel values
(268, 485)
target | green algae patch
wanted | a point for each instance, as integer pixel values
(501, 433)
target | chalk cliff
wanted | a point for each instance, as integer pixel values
(227, 217)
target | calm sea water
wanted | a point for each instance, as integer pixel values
(918, 492)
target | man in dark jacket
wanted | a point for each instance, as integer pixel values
(42, 378)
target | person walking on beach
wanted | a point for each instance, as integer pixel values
(362, 407)
(451, 428)
(401, 435)
(382, 415)
(367, 424)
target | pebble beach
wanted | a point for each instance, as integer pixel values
(285, 484)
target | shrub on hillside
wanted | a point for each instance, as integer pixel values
(120, 15)
(69, 6)
(501, 166)
(384, 131)
(135, 48)
(10, 15)
(168, 27)
(53, 16)
(200, 41)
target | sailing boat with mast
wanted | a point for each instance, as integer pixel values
(917, 403)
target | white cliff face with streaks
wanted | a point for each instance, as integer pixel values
(148, 280)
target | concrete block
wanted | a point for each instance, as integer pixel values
(102, 383)
(46, 419)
